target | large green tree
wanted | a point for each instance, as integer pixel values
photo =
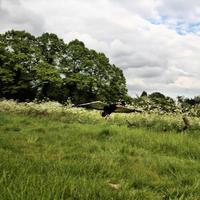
(91, 73)
(19, 55)
(46, 67)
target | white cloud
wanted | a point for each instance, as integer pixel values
(154, 57)
(180, 9)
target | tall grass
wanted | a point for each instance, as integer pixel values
(56, 111)
(74, 154)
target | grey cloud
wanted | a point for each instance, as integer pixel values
(136, 89)
(149, 72)
(15, 16)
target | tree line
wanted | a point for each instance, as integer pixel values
(158, 102)
(45, 67)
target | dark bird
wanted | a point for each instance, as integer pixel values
(107, 109)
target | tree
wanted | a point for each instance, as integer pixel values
(144, 94)
(162, 102)
(19, 53)
(49, 71)
(90, 73)
(46, 67)
(157, 95)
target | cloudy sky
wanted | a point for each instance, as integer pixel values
(155, 42)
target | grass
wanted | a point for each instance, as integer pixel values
(74, 155)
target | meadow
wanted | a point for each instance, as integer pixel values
(50, 151)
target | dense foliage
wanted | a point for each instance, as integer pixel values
(47, 68)
(153, 119)
(159, 103)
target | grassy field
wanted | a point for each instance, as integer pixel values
(74, 154)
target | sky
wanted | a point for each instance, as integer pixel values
(155, 42)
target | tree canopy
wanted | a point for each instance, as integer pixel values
(46, 67)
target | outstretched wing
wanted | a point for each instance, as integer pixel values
(124, 109)
(98, 105)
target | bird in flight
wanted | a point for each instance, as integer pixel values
(107, 109)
